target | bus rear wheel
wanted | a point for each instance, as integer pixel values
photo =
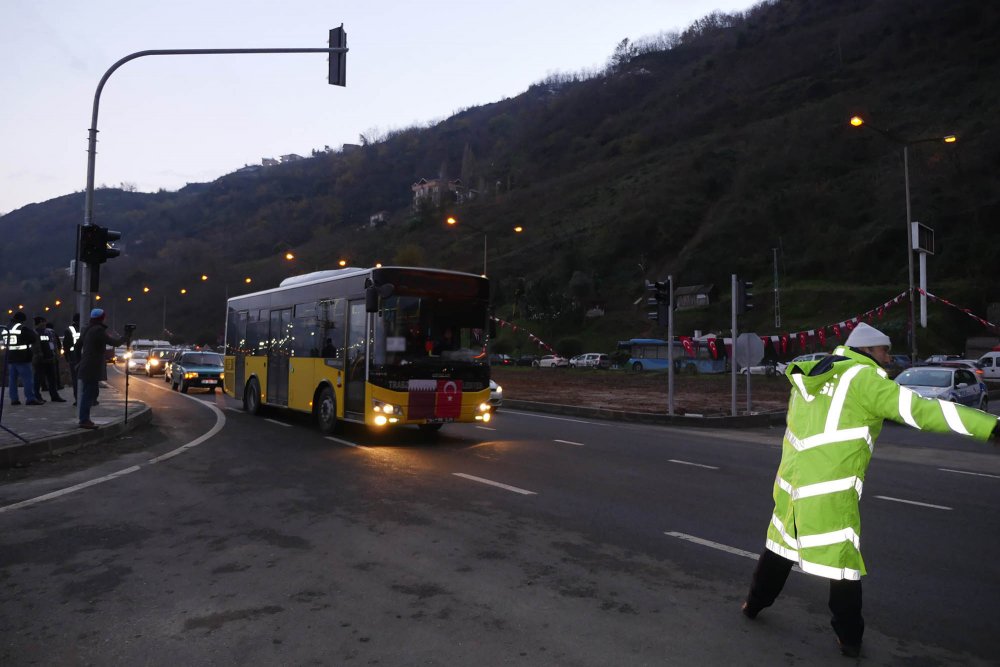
(251, 397)
(637, 367)
(326, 411)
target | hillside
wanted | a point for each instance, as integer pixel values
(696, 158)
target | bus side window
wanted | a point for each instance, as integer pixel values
(307, 337)
(330, 329)
(257, 337)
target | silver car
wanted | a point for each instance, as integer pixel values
(958, 385)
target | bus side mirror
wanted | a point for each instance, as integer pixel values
(371, 300)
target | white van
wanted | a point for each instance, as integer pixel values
(991, 366)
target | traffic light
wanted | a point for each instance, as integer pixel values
(338, 61)
(660, 298)
(744, 296)
(96, 244)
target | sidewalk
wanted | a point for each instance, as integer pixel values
(53, 428)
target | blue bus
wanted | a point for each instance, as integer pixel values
(650, 354)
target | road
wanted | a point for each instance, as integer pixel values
(217, 537)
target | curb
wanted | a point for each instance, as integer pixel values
(760, 420)
(71, 441)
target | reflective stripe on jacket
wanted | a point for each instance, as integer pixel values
(834, 418)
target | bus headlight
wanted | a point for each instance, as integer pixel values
(485, 417)
(383, 408)
(484, 407)
(381, 420)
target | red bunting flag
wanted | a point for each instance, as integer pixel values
(821, 335)
(688, 345)
(803, 340)
(784, 343)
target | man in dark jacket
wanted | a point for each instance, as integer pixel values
(44, 362)
(93, 367)
(21, 342)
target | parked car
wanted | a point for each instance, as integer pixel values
(948, 383)
(156, 359)
(196, 369)
(137, 361)
(496, 395)
(971, 364)
(501, 360)
(769, 368)
(526, 360)
(591, 360)
(551, 361)
(991, 366)
(938, 358)
(812, 356)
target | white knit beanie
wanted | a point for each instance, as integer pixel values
(866, 336)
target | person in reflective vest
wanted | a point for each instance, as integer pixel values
(20, 341)
(44, 362)
(835, 414)
(71, 348)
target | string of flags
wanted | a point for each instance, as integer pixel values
(784, 344)
(535, 339)
(967, 311)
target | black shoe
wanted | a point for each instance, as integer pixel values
(58, 399)
(74, 404)
(94, 403)
(749, 611)
(34, 402)
(850, 650)
(15, 402)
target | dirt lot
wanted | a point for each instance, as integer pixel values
(639, 392)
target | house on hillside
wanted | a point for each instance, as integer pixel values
(268, 162)
(693, 296)
(431, 191)
(378, 219)
(291, 157)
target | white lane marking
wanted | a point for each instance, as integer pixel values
(343, 442)
(570, 442)
(698, 465)
(232, 409)
(497, 484)
(485, 428)
(914, 502)
(275, 421)
(963, 472)
(720, 547)
(561, 419)
(69, 489)
(220, 421)
(714, 545)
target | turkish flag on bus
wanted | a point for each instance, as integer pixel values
(449, 399)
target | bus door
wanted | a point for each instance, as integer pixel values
(277, 356)
(354, 389)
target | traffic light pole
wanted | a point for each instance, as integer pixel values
(670, 347)
(732, 356)
(84, 269)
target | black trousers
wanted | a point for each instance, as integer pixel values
(845, 595)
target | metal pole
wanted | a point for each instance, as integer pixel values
(670, 348)
(164, 328)
(909, 255)
(484, 253)
(732, 355)
(777, 296)
(923, 288)
(83, 269)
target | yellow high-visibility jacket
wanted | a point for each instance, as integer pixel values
(834, 418)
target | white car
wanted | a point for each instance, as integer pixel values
(551, 361)
(812, 356)
(496, 395)
(591, 360)
(137, 361)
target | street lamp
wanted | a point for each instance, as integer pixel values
(858, 121)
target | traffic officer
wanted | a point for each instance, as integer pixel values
(71, 349)
(44, 362)
(835, 414)
(21, 342)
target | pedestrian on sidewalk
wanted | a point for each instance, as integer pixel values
(93, 367)
(835, 415)
(71, 348)
(43, 362)
(21, 342)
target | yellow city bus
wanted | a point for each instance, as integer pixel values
(385, 346)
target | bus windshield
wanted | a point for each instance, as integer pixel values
(430, 331)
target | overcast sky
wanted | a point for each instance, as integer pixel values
(169, 120)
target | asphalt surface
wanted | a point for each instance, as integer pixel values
(215, 537)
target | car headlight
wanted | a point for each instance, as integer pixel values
(499, 389)
(154, 362)
(190, 375)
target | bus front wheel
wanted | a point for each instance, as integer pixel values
(251, 397)
(637, 367)
(326, 411)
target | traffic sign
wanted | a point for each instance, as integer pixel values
(749, 349)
